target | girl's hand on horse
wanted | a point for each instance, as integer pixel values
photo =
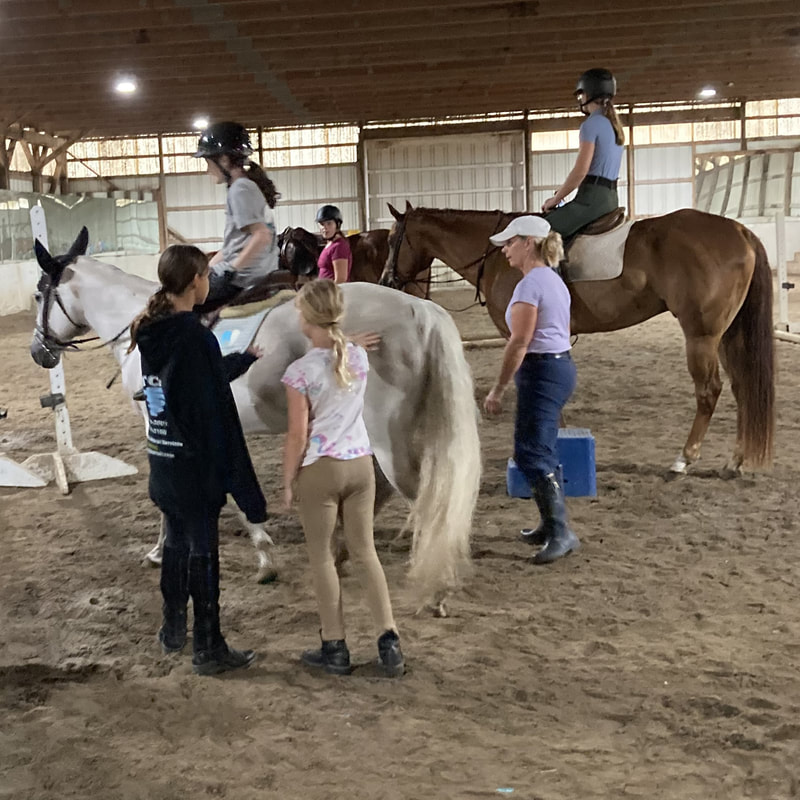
(493, 404)
(255, 350)
(288, 499)
(369, 340)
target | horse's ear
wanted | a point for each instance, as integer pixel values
(409, 207)
(394, 212)
(78, 246)
(46, 261)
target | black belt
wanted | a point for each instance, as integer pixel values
(547, 356)
(599, 179)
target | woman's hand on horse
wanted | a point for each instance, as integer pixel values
(255, 350)
(493, 404)
(549, 204)
(369, 340)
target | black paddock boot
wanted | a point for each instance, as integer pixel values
(390, 654)
(333, 657)
(537, 536)
(175, 591)
(211, 653)
(561, 541)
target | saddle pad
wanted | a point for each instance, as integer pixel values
(248, 309)
(236, 334)
(598, 257)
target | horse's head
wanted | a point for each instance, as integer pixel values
(402, 266)
(298, 251)
(57, 323)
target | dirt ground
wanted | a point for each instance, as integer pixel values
(661, 661)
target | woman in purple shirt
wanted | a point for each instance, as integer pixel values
(537, 356)
(336, 260)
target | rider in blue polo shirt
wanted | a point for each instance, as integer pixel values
(599, 157)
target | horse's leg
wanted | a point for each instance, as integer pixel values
(262, 541)
(702, 355)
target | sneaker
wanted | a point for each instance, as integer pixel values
(390, 655)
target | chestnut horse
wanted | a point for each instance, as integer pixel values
(300, 250)
(710, 272)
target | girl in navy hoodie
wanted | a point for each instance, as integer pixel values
(197, 453)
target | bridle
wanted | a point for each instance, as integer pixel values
(48, 287)
(396, 282)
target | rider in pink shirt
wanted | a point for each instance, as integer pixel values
(335, 260)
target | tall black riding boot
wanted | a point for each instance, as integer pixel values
(538, 536)
(211, 653)
(175, 592)
(560, 541)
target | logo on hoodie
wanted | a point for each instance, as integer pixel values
(154, 395)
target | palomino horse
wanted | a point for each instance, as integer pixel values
(419, 408)
(711, 273)
(300, 249)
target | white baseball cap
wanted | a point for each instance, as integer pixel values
(522, 226)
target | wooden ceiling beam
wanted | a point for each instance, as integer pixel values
(143, 30)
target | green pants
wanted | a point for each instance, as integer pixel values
(591, 202)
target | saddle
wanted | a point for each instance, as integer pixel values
(603, 224)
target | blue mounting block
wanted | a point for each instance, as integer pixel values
(576, 455)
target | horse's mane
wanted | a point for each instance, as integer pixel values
(457, 213)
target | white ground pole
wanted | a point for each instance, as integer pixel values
(783, 328)
(67, 464)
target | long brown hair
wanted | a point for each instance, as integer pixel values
(177, 268)
(321, 303)
(610, 114)
(256, 173)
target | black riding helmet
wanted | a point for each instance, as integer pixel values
(596, 84)
(329, 212)
(224, 139)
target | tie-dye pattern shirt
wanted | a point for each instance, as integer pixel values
(336, 425)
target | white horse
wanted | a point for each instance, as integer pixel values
(419, 408)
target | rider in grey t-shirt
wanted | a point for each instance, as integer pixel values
(246, 206)
(249, 250)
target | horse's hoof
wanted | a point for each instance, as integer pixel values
(439, 610)
(266, 576)
(731, 471)
(154, 557)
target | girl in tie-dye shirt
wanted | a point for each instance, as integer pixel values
(328, 461)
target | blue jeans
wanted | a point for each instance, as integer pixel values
(543, 387)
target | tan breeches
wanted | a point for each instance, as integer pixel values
(323, 488)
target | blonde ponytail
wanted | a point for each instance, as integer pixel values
(551, 249)
(321, 304)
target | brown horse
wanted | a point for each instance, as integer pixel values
(710, 272)
(300, 250)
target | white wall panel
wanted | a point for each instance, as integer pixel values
(476, 171)
(662, 198)
(663, 162)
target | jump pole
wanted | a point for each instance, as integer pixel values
(66, 464)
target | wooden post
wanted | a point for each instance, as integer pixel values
(631, 167)
(361, 180)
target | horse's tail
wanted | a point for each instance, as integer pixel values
(748, 348)
(450, 466)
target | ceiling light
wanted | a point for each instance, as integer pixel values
(200, 123)
(708, 91)
(126, 85)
